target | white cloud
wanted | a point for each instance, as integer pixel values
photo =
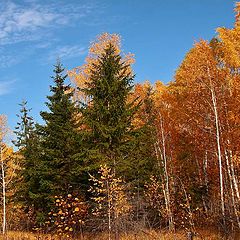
(66, 52)
(6, 87)
(27, 22)
(28, 27)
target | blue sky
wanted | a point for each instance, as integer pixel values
(33, 33)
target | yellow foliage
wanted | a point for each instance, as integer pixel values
(80, 75)
(76, 209)
(3, 127)
(230, 46)
(109, 194)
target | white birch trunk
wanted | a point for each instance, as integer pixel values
(231, 188)
(3, 192)
(234, 176)
(167, 192)
(219, 154)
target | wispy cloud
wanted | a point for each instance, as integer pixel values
(27, 22)
(66, 52)
(8, 60)
(6, 87)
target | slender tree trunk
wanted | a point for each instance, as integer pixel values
(116, 224)
(115, 217)
(230, 154)
(167, 192)
(156, 147)
(3, 193)
(219, 154)
(205, 165)
(234, 176)
(190, 214)
(231, 188)
(109, 212)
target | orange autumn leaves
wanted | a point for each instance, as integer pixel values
(80, 75)
(229, 46)
(194, 118)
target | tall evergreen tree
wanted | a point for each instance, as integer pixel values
(27, 144)
(141, 160)
(108, 115)
(59, 140)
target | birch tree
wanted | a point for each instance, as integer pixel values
(110, 198)
(8, 169)
(206, 90)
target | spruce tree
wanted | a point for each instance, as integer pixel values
(28, 191)
(108, 115)
(60, 140)
(24, 128)
(27, 144)
(141, 161)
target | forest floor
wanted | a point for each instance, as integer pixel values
(147, 235)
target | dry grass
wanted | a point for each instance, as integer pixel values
(145, 235)
(152, 235)
(25, 236)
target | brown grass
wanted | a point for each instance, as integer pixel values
(144, 235)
